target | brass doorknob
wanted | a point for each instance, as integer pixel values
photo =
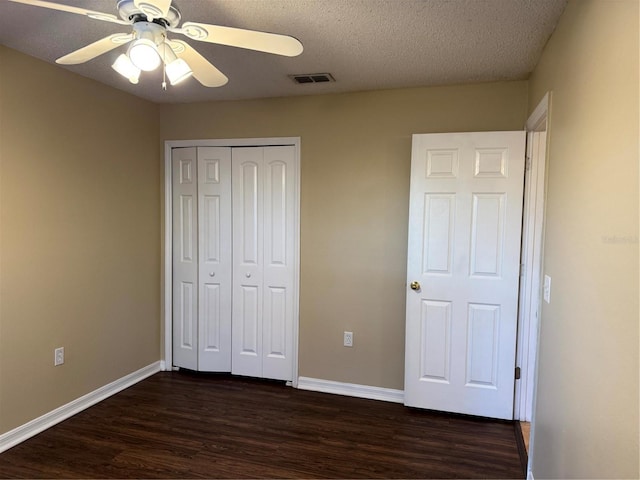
(415, 285)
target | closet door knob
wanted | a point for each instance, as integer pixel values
(248, 275)
(212, 274)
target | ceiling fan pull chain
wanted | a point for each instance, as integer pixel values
(164, 69)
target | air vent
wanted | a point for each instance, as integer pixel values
(312, 78)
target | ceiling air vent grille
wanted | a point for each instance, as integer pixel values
(312, 78)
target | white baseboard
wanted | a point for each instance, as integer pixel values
(32, 428)
(351, 389)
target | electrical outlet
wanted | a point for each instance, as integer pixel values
(348, 339)
(58, 358)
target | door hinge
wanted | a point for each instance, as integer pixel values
(517, 373)
(527, 163)
(521, 269)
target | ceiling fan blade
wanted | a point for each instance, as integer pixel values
(203, 70)
(95, 49)
(239, 37)
(106, 17)
(153, 8)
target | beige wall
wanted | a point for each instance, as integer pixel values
(355, 160)
(586, 420)
(79, 236)
(80, 223)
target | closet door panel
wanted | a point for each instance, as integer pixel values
(185, 255)
(248, 215)
(275, 319)
(248, 326)
(215, 262)
(247, 171)
(279, 241)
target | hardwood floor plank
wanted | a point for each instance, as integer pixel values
(521, 442)
(186, 425)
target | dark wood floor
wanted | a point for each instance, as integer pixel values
(185, 425)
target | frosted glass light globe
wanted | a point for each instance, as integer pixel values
(144, 55)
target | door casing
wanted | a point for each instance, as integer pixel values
(531, 259)
(166, 332)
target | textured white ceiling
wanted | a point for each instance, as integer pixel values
(365, 44)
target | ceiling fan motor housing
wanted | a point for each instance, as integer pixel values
(130, 13)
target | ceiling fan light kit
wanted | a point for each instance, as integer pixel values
(149, 46)
(143, 51)
(147, 52)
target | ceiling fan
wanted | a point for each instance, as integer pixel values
(149, 45)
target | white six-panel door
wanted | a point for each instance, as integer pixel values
(263, 261)
(464, 249)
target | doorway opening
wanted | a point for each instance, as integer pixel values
(531, 270)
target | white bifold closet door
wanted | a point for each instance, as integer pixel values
(233, 259)
(263, 261)
(202, 258)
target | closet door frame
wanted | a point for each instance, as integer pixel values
(166, 346)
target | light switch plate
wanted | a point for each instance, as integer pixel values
(58, 356)
(546, 294)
